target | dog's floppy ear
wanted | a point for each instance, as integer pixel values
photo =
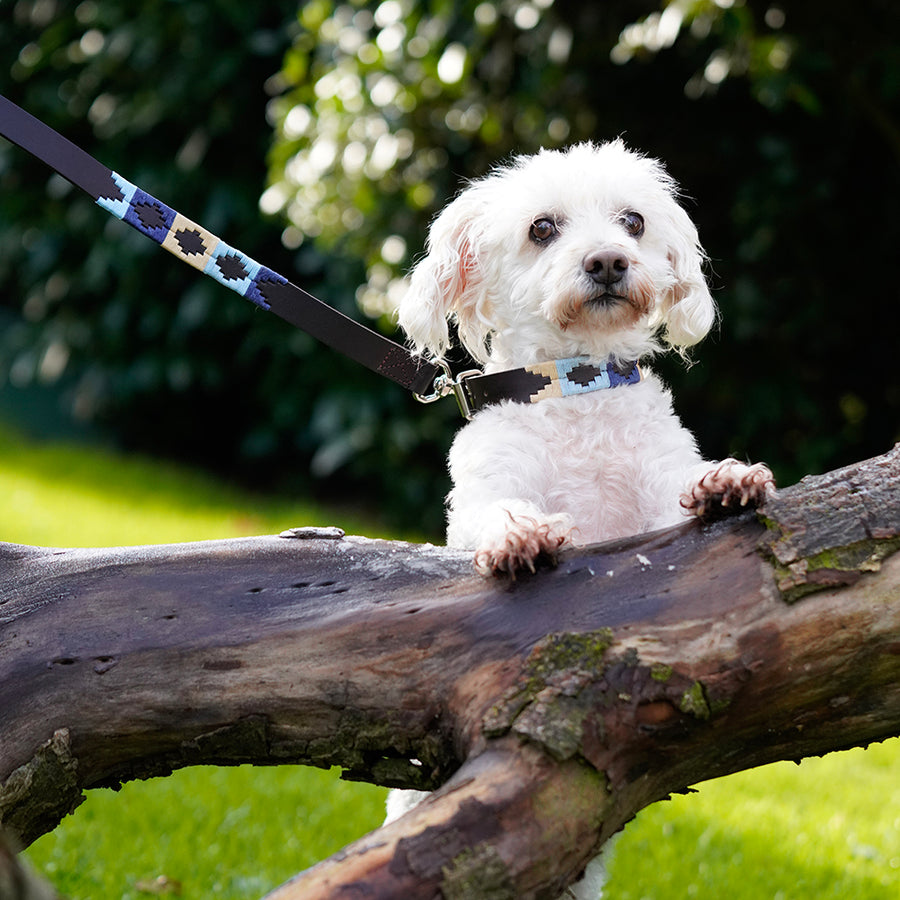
(688, 310)
(447, 282)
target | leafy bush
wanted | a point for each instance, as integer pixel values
(781, 123)
(174, 97)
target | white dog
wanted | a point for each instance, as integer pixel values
(572, 266)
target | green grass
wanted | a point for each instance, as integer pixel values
(224, 833)
(67, 495)
(829, 828)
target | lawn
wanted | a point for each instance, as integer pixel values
(829, 828)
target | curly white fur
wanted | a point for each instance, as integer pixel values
(583, 252)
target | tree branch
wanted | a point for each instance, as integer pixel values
(551, 709)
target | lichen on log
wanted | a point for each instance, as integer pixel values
(812, 548)
(40, 792)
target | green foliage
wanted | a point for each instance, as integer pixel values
(390, 104)
(782, 123)
(174, 95)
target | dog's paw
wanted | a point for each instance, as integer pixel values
(524, 543)
(729, 487)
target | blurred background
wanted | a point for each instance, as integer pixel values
(321, 138)
(140, 403)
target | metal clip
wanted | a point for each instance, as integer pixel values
(445, 384)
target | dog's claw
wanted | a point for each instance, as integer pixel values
(730, 481)
(525, 543)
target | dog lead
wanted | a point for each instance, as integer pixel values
(193, 244)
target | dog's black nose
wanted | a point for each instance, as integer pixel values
(605, 266)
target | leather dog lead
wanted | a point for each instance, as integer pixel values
(210, 255)
(204, 251)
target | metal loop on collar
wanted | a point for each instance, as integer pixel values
(445, 384)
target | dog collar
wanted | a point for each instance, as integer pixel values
(541, 381)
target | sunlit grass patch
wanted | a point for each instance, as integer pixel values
(229, 833)
(828, 829)
(71, 495)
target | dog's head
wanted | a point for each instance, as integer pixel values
(564, 253)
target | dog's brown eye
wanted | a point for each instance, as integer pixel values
(542, 230)
(633, 223)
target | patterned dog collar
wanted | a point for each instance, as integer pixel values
(558, 378)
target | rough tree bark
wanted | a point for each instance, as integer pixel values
(547, 711)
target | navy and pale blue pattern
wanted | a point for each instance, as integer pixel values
(555, 378)
(578, 375)
(191, 242)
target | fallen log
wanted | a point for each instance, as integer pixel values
(545, 712)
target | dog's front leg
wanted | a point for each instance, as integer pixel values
(504, 469)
